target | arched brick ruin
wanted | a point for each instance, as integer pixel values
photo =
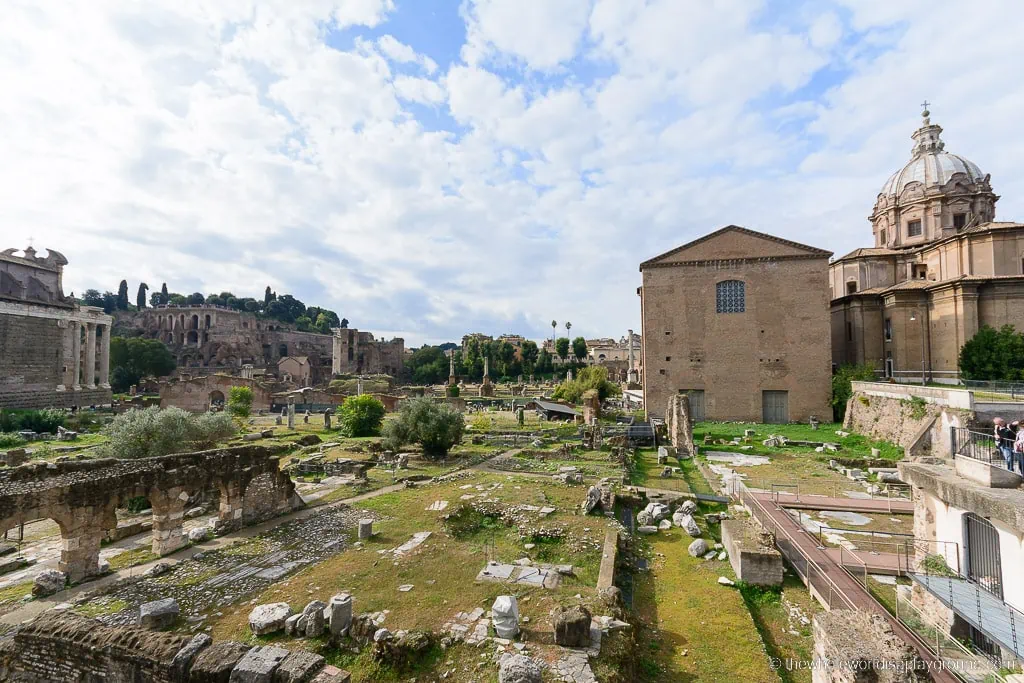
(82, 496)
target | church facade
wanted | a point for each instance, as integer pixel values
(940, 268)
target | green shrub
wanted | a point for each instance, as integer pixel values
(240, 401)
(466, 520)
(594, 377)
(361, 416)
(153, 432)
(842, 388)
(42, 421)
(436, 427)
(11, 440)
(138, 504)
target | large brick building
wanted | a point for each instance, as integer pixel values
(739, 321)
(940, 268)
(53, 352)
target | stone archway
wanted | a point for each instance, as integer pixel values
(217, 399)
(81, 534)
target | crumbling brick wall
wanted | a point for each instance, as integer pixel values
(63, 646)
(922, 429)
(855, 647)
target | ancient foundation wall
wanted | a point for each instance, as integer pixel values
(752, 561)
(854, 647)
(62, 646)
(911, 417)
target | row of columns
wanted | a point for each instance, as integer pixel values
(91, 368)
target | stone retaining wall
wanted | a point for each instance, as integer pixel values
(854, 647)
(907, 416)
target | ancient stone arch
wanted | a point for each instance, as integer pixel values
(82, 496)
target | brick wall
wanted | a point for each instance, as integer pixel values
(781, 342)
(61, 646)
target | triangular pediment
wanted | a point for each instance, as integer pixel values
(734, 242)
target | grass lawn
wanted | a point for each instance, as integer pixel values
(777, 614)
(132, 558)
(15, 593)
(442, 570)
(692, 628)
(647, 472)
(852, 446)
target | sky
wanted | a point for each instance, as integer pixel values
(430, 168)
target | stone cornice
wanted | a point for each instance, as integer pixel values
(729, 263)
(84, 314)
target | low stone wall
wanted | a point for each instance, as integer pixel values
(854, 647)
(63, 646)
(83, 398)
(916, 418)
(753, 562)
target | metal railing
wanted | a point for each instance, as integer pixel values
(887, 492)
(976, 445)
(809, 571)
(1015, 390)
(981, 602)
(957, 657)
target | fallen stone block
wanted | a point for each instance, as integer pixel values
(269, 618)
(48, 582)
(159, 614)
(258, 665)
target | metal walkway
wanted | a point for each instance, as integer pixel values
(979, 608)
(804, 501)
(827, 580)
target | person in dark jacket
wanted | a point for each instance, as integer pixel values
(1005, 437)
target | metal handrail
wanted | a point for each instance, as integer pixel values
(940, 632)
(809, 565)
(773, 486)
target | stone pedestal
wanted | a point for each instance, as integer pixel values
(365, 529)
(340, 611)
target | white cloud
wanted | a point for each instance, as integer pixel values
(541, 33)
(230, 146)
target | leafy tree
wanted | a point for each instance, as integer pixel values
(473, 360)
(529, 352)
(268, 296)
(163, 294)
(435, 426)
(154, 432)
(92, 297)
(133, 358)
(842, 389)
(427, 365)
(994, 355)
(122, 296)
(176, 299)
(562, 347)
(544, 362)
(140, 298)
(195, 299)
(109, 302)
(253, 306)
(448, 346)
(505, 355)
(303, 323)
(240, 401)
(593, 377)
(579, 348)
(344, 324)
(361, 416)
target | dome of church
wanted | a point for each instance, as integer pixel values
(931, 165)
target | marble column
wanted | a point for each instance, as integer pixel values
(90, 355)
(76, 354)
(105, 358)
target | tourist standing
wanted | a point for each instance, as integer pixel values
(1005, 438)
